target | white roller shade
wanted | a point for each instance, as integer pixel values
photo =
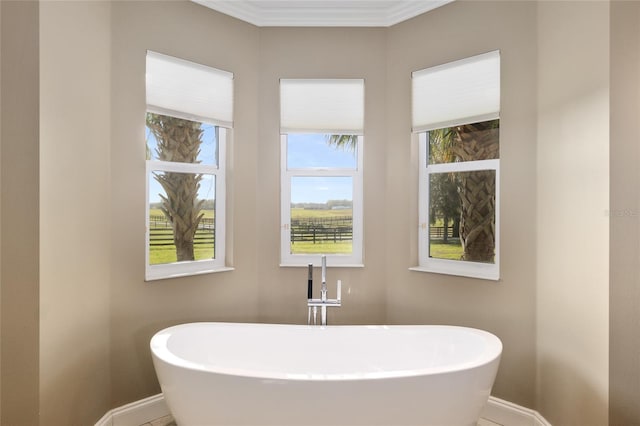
(459, 92)
(188, 90)
(327, 106)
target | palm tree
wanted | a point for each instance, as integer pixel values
(477, 189)
(179, 140)
(443, 187)
(344, 142)
(444, 202)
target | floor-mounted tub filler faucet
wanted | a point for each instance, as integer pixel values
(323, 303)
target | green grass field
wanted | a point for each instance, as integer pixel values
(297, 213)
(306, 247)
(321, 247)
(167, 254)
(451, 250)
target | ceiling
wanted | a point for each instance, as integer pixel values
(323, 13)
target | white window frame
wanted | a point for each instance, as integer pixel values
(186, 268)
(488, 271)
(355, 259)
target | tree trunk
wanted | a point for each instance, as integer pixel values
(478, 141)
(477, 221)
(184, 250)
(445, 229)
(455, 232)
(182, 208)
(179, 141)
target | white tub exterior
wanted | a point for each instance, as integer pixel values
(266, 374)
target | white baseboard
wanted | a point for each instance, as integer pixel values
(509, 414)
(137, 413)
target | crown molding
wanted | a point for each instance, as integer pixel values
(404, 10)
(326, 13)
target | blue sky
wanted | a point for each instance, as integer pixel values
(304, 150)
(312, 150)
(321, 189)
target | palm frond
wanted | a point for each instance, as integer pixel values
(344, 142)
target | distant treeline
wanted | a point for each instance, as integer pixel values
(329, 205)
(207, 205)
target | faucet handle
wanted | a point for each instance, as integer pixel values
(310, 282)
(339, 290)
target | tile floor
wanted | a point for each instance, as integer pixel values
(485, 422)
(168, 421)
(162, 421)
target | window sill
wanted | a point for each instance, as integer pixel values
(299, 265)
(164, 276)
(489, 276)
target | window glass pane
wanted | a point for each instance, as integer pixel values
(462, 216)
(321, 151)
(468, 142)
(181, 225)
(321, 215)
(182, 141)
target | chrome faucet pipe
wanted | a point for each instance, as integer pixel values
(323, 291)
(323, 288)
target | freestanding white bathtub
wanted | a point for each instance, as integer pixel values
(266, 374)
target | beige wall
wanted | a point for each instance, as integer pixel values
(384, 291)
(573, 190)
(321, 53)
(75, 138)
(550, 307)
(624, 370)
(139, 309)
(506, 307)
(258, 290)
(19, 201)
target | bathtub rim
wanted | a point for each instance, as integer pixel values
(160, 353)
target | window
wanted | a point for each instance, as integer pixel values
(188, 122)
(321, 177)
(456, 110)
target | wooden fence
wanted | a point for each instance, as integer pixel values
(303, 229)
(329, 229)
(325, 229)
(437, 232)
(161, 232)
